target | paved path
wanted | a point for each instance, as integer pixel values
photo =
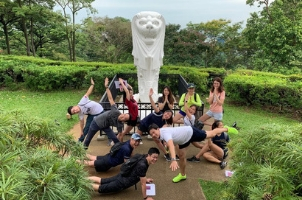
(160, 172)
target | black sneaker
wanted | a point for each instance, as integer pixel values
(167, 156)
(177, 158)
(223, 164)
(234, 125)
(225, 152)
(193, 159)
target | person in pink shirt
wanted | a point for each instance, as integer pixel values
(216, 100)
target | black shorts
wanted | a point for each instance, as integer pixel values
(115, 184)
(101, 164)
(198, 136)
(143, 128)
(132, 123)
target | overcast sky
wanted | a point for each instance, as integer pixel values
(175, 11)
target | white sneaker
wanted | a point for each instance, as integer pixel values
(100, 138)
(149, 137)
(141, 142)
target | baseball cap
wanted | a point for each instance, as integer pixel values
(136, 136)
(191, 85)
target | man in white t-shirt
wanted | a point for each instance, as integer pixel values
(86, 107)
(183, 136)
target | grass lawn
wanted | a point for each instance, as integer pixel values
(48, 105)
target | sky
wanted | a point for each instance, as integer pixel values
(175, 11)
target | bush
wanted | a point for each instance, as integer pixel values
(267, 162)
(34, 163)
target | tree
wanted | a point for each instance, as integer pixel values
(276, 36)
(108, 39)
(222, 40)
(7, 17)
(74, 6)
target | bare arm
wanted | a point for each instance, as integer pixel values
(187, 108)
(89, 91)
(124, 88)
(155, 108)
(174, 164)
(111, 101)
(82, 126)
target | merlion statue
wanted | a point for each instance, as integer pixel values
(148, 35)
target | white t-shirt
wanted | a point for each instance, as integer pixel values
(179, 135)
(89, 107)
(189, 122)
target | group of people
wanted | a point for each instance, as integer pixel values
(172, 141)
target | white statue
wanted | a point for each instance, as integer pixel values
(148, 34)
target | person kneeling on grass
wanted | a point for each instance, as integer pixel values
(215, 150)
(104, 163)
(183, 136)
(121, 181)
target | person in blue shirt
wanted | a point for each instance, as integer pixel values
(215, 150)
(104, 163)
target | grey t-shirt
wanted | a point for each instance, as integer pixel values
(110, 118)
(89, 107)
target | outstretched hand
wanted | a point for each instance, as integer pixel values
(174, 165)
(91, 81)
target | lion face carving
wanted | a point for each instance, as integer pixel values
(148, 27)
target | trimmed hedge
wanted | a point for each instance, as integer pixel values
(265, 89)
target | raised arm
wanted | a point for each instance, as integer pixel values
(125, 88)
(89, 91)
(155, 108)
(111, 101)
(187, 108)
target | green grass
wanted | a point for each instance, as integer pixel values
(212, 190)
(48, 105)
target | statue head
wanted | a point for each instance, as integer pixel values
(149, 26)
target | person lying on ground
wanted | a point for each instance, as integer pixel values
(123, 181)
(104, 163)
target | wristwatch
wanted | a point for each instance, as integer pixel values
(173, 159)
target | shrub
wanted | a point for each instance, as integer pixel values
(34, 163)
(267, 162)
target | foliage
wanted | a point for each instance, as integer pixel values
(251, 120)
(275, 36)
(266, 159)
(265, 89)
(34, 163)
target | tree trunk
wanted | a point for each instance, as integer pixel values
(6, 38)
(73, 36)
(32, 38)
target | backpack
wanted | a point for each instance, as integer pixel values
(129, 165)
(115, 148)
